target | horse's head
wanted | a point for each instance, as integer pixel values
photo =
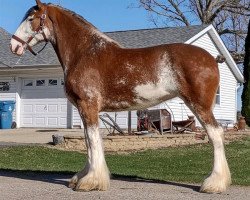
(34, 28)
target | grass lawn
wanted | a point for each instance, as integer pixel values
(183, 164)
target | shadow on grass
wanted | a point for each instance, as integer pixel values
(63, 177)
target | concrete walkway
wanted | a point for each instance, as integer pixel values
(34, 136)
(43, 136)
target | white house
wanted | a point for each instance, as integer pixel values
(36, 83)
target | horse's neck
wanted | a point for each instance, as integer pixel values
(75, 38)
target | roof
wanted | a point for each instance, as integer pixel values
(7, 58)
(46, 57)
(129, 39)
(155, 36)
(4, 34)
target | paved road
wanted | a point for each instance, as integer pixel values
(16, 185)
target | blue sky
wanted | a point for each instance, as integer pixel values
(107, 15)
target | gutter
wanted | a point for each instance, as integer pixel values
(28, 67)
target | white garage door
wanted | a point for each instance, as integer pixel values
(43, 103)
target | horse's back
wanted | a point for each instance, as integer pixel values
(183, 59)
(177, 53)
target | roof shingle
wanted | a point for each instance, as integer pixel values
(155, 36)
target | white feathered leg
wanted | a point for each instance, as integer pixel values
(95, 175)
(220, 178)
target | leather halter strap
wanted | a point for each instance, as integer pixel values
(39, 30)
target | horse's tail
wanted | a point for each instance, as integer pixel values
(220, 59)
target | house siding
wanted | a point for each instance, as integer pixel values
(76, 121)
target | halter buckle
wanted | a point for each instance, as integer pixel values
(43, 16)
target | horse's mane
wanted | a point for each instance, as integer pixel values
(83, 22)
(72, 13)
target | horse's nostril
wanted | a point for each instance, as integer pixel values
(16, 49)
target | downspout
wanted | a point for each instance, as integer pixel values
(238, 86)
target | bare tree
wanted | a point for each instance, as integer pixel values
(229, 17)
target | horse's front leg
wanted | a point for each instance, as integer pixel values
(95, 175)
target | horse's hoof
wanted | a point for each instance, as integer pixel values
(73, 182)
(89, 183)
(215, 184)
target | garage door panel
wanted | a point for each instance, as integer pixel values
(40, 121)
(52, 121)
(27, 121)
(63, 108)
(44, 106)
(52, 108)
(27, 108)
(40, 108)
(63, 121)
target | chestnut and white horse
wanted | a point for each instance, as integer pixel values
(101, 75)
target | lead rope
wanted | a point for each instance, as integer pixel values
(20, 57)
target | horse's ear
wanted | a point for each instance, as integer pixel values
(39, 3)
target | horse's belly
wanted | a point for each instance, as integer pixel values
(144, 96)
(149, 95)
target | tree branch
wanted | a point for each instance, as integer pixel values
(179, 12)
(235, 32)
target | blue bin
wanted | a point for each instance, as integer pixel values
(6, 109)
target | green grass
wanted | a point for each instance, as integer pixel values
(183, 164)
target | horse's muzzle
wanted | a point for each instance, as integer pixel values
(17, 49)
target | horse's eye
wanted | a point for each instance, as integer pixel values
(30, 19)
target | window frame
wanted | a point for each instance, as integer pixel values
(5, 86)
(218, 96)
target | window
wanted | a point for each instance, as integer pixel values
(28, 83)
(217, 100)
(62, 81)
(40, 82)
(52, 82)
(4, 86)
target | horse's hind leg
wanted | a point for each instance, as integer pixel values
(220, 177)
(95, 175)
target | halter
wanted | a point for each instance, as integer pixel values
(39, 30)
